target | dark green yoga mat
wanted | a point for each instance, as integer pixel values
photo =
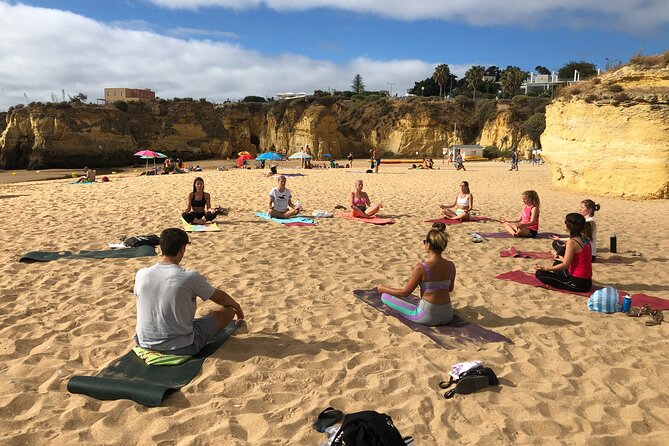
(127, 253)
(130, 378)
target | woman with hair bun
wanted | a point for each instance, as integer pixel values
(587, 209)
(436, 278)
(573, 271)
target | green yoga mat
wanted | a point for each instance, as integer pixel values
(127, 253)
(130, 378)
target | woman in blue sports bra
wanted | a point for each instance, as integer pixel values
(361, 206)
(198, 211)
(436, 278)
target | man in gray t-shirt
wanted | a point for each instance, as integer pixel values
(166, 302)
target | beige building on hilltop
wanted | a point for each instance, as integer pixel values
(128, 95)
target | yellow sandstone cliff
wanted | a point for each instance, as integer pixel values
(610, 135)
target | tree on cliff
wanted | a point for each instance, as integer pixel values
(542, 70)
(427, 87)
(585, 70)
(511, 80)
(492, 71)
(358, 86)
(474, 77)
(442, 74)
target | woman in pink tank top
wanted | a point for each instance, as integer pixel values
(527, 225)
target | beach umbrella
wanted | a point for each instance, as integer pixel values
(146, 154)
(149, 153)
(245, 156)
(327, 154)
(270, 156)
(299, 155)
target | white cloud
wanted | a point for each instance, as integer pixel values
(625, 15)
(46, 50)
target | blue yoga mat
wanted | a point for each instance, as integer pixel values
(266, 216)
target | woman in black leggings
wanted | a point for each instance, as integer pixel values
(198, 210)
(573, 271)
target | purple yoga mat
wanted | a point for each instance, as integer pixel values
(457, 332)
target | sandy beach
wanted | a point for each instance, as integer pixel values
(570, 376)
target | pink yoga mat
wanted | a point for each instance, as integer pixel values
(448, 221)
(507, 235)
(513, 252)
(373, 220)
(639, 299)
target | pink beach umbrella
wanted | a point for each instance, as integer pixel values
(146, 154)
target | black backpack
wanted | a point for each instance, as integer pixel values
(368, 428)
(140, 240)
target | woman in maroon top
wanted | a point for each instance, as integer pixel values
(573, 271)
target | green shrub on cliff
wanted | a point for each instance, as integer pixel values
(121, 105)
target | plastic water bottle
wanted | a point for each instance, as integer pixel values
(627, 304)
(613, 243)
(330, 432)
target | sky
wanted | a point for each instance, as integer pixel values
(229, 49)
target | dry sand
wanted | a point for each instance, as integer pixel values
(570, 376)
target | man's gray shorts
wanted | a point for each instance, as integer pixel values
(204, 329)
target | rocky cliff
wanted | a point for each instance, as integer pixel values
(610, 135)
(73, 135)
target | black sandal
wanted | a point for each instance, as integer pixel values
(327, 418)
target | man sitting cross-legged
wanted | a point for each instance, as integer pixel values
(166, 302)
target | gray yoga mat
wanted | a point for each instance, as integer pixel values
(127, 253)
(129, 377)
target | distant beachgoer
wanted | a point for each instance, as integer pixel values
(350, 159)
(376, 161)
(527, 225)
(89, 176)
(197, 168)
(514, 159)
(361, 206)
(436, 278)
(587, 210)
(280, 201)
(198, 209)
(459, 162)
(166, 302)
(577, 260)
(462, 205)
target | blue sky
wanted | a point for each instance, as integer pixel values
(227, 49)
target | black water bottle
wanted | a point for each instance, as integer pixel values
(613, 243)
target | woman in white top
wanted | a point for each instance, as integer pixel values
(587, 209)
(462, 205)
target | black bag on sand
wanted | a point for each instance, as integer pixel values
(140, 240)
(368, 428)
(470, 381)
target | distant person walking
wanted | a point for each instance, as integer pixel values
(514, 159)
(376, 160)
(350, 159)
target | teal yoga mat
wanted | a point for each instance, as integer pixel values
(129, 377)
(127, 253)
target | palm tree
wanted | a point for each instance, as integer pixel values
(441, 75)
(511, 80)
(474, 77)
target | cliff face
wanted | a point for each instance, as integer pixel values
(611, 136)
(503, 132)
(74, 135)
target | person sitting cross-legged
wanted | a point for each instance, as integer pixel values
(166, 302)
(280, 202)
